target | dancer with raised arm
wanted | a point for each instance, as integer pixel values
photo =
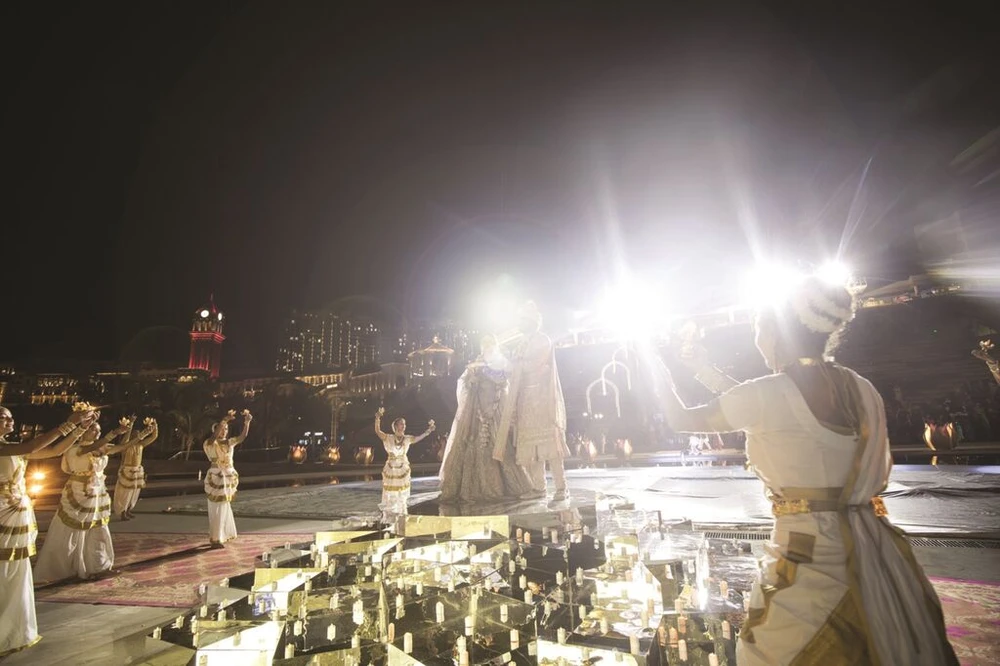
(396, 472)
(469, 474)
(535, 413)
(18, 531)
(222, 479)
(838, 583)
(131, 474)
(78, 542)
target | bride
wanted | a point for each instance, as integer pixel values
(469, 474)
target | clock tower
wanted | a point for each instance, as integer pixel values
(206, 339)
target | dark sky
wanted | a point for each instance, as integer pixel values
(296, 154)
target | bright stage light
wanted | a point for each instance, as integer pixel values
(632, 308)
(835, 273)
(497, 304)
(769, 285)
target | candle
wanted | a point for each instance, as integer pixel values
(727, 631)
(288, 545)
(561, 636)
(723, 588)
(559, 578)
(289, 651)
(331, 632)
(463, 658)
(468, 625)
(179, 622)
(503, 612)
(472, 549)
(399, 601)
(420, 589)
(157, 633)
(520, 534)
(644, 618)
(512, 566)
(302, 612)
(682, 624)
(579, 576)
(408, 643)
(712, 659)
(224, 582)
(586, 530)
(605, 628)
(308, 586)
(682, 650)
(265, 555)
(297, 628)
(355, 641)
(673, 636)
(650, 607)
(335, 600)
(593, 600)
(583, 612)
(203, 611)
(522, 582)
(392, 632)
(527, 537)
(439, 612)
(221, 616)
(515, 639)
(555, 535)
(527, 596)
(201, 589)
(633, 644)
(451, 584)
(368, 571)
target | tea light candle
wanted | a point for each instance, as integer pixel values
(408, 643)
(463, 658)
(419, 589)
(682, 650)
(203, 611)
(469, 623)
(712, 659)
(527, 537)
(561, 636)
(297, 628)
(527, 597)
(265, 555)
(559, 578)
(579, 576)
(179, 622)
(503, 612)
(157, 633)
(633, 644)
(512, 566)
(202, 589)
(605, 627)
(289, 651)
(727, 631)
(522, 582)
(355, 641)
(220, 616)
(331, 632)
(368, 571)
(515, 639)
(439, 612)
(392, 632)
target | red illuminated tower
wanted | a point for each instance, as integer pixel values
(206, 339)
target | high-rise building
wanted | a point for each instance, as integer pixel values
(318, 341)
(206, 339)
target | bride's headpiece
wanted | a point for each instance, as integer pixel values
(816, 310)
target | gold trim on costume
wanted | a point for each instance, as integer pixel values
(840, 641)
(72, 523)
(220, 498)
(800, 547)
(18, 529)
(14, 554)
(3, 655)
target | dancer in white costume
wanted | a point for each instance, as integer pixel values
(396, 472)
(222, 480)
(78, 542)
(131, 474)
(839, 583)
(18, 626)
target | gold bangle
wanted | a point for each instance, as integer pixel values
(66, 428)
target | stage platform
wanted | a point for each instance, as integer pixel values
(922, 500)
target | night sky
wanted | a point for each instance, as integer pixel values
(301, 154)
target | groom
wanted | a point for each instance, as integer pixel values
(534, 410)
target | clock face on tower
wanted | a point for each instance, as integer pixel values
(204, 314)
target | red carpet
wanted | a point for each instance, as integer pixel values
(166, 569)
(972, 613)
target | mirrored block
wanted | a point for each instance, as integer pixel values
(375, 654)
(457, 527)
(696, 636)
(556, 654)
(236, 642)
(324, 539)
(292, 554)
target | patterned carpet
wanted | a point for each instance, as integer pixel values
(972, 613)
(165, 570)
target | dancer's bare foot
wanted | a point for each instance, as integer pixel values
(561, 495)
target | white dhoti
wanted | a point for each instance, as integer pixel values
(131, 481)
(78, 542)
(18, 625)
(220, 487)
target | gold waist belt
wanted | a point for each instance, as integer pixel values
(813, 500)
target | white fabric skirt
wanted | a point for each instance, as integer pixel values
(221, 524)
(68, 552)
(18, 626)
(131, 481)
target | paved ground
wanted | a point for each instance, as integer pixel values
(945, 501)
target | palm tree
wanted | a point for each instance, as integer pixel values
(192, 411)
